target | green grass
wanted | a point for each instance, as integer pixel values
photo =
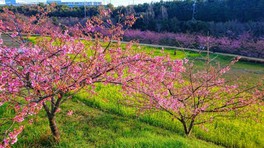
(103, 120)
(92, 127)
(226, 132)
(244, 71)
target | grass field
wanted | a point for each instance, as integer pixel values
(103, 120)
(97, 127)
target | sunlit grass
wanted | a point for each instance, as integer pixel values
(104, 120)
(97, 127)
(234, 132)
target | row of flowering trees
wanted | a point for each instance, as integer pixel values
(44, 75)
(244, 45)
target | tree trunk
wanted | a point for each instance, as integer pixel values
(51, 116)
(53, 127)
(52, 123)
(187, 130)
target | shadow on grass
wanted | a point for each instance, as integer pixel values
(92, 127)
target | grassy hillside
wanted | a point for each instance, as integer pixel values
(104, 120)
(96, 127)
(235, 132)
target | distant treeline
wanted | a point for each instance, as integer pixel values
(216, 17)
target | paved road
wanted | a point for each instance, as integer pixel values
(251, 59)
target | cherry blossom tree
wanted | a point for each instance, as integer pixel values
(245, 44)
(196, 96)
(62, 62)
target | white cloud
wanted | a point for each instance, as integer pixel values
(2, 2)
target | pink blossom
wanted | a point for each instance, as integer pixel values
(19, 118)
(6, 141)
(186, 60)
(13, 135)
(58, 110)
(14, 141)
(224, 70)
(69, 113)
(13, 35)
(27, 98)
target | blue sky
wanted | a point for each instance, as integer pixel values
(115, 2)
